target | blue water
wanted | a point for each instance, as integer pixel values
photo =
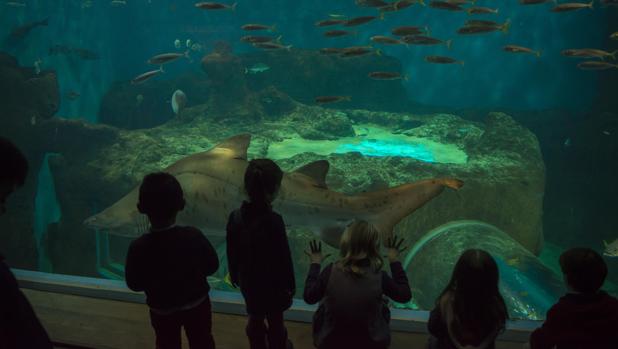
(126, 36)
(371, 147)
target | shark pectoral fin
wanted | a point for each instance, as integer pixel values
(236, 146)
(316, 170)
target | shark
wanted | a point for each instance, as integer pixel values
(212, 182)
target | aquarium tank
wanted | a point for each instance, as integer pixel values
(454, 124)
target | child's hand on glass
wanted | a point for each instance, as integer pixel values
(394, 248)
(315, 252)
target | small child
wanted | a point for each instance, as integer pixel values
(170, 264)
(259, 257)
(470, 312)
(586, 317)
(353, 312)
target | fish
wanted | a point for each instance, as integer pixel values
(611, 250)
(410, 30)
(37, 66)
(215, 6)
(481, 23)
(117, 3)
(386, 40)
(385, 75)
(614, 36)
(358, 21)
(212, 183)
(513, 261)
(442, 60)
(188, 43)
(589, 53)
(572, 6)
(356, 51)
(20, 33)
(145, 76)
(480, 29)
(331, 50)
(596, 65)
(329, 22)
(178, 101)
(336, 15)
(332, 99)
(257, 68)
(272, 46)
(461, 2)
(177, 43)
(338, 33)
(251, 27)
(425, 40)
(252, 39)
(15, 4)
(445, 5)
(607, 133)
(534, 2)
(521, 49)
(567, 142)
(371, 3)
(196, 47)
(165, 58)
(73, 95)
(481, 11)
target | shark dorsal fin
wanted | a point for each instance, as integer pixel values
(316, 170)
(236, 146)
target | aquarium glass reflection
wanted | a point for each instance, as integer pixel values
(376, 109)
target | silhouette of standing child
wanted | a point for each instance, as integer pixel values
(259, 257)
(470, 312)
(19, 326)
(353, 313)
(170, 264)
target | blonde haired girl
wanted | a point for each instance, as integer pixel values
(353, 312)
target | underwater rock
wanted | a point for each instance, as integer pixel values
(304, 74)
(147, 105)
(323, 123)
(27, 93)
(528, 286)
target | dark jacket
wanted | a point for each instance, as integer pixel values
(259, 258)
(19, 326)
(438, 328)
(341, 319)
(579, 321)
(171, 266)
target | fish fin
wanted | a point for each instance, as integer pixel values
(613, 54)
(161, 69)
(316, 170)
(538, 53)
(427, 31)
(273, 28)
(449, 43)
(233, 7)
(278, 40)
(237, 145)
(506, 26)
(379, 52)
(246, 70)
(288, 47)
(591, 4)
(497, 10)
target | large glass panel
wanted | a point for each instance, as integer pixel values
(354, 99)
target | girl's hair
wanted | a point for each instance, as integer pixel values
(262, 180)
(473, 294)
(359, 248)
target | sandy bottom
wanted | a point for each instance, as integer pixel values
(372, 141)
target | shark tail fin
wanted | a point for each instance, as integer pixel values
(386, 208)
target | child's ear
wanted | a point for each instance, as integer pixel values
(140, 208)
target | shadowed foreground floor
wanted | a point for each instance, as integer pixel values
(106, 324)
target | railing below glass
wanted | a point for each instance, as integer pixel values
(230, 302)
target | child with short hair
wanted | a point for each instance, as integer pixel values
(353, 312)
(170, 264)
(470, 312)
(259, 257)
(586, 317)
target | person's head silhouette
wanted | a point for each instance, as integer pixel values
(160, 198)
(262, 181)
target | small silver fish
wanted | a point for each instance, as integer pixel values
(257, 68)
(146, 76)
